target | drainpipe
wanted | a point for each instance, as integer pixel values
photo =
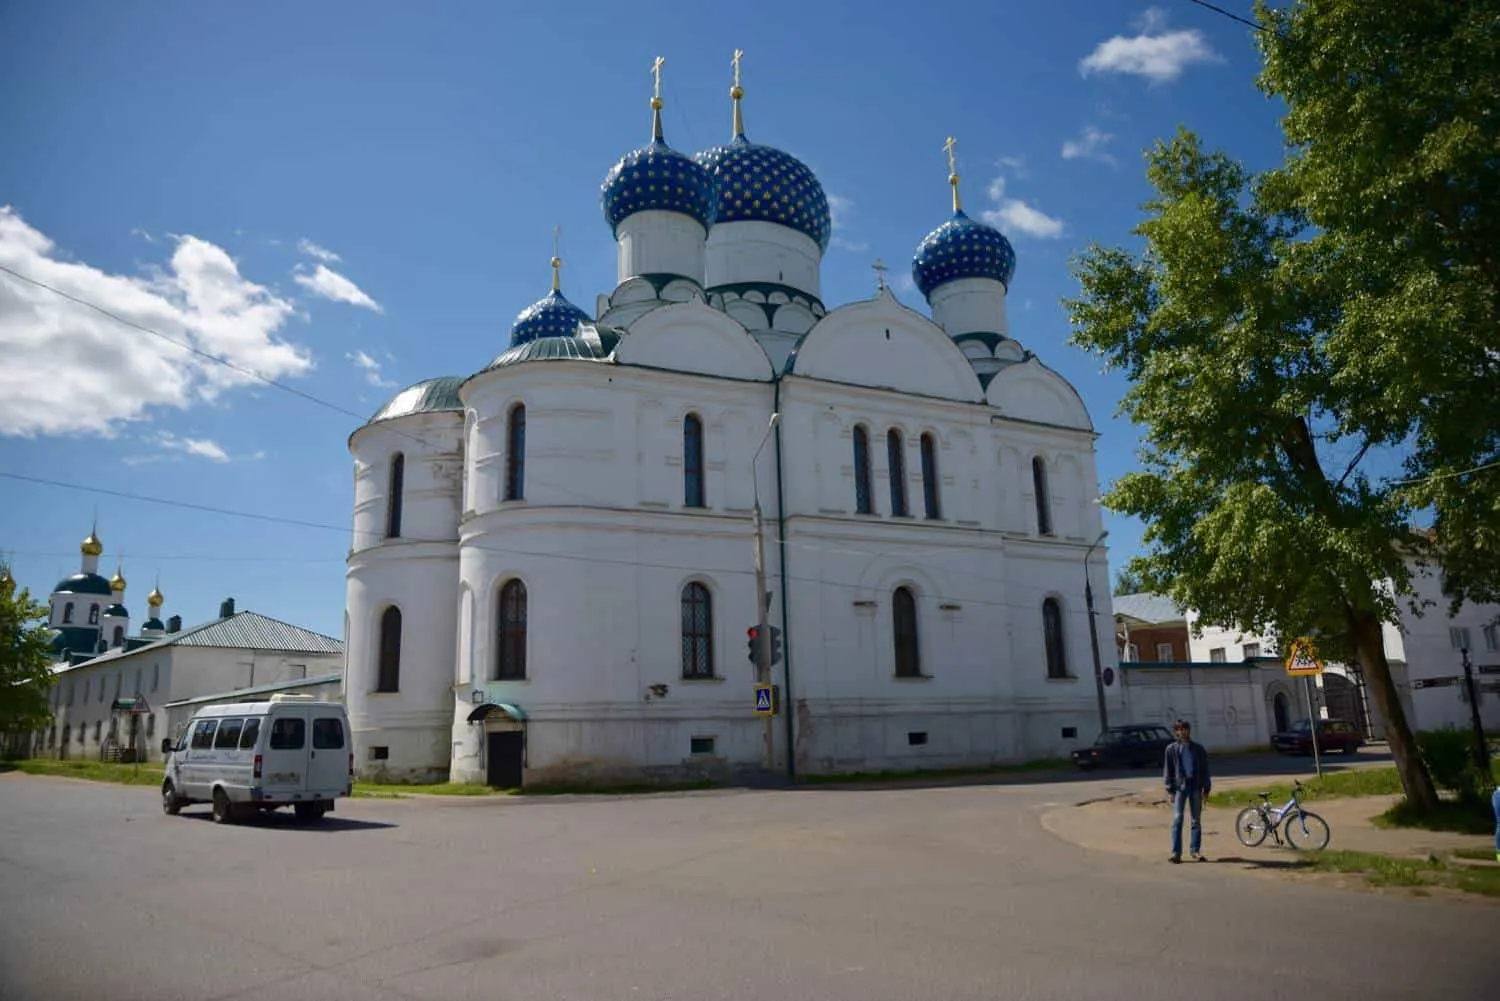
(786, 643)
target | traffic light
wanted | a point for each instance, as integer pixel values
(754, 644)
(775, 644)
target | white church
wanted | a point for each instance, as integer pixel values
(552, 571)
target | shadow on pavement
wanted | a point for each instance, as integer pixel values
(279, 821)
(1260, 863)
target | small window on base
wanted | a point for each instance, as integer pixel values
(915, 737)
(1070, 732)
(702, 745)
(379, 753)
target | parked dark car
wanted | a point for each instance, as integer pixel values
(1333, 735)
(1119, 746)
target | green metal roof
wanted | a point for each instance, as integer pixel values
(253, 631)
(83, 583)
(119, 610)
(238, 695)
(425, 397)
(558, 349)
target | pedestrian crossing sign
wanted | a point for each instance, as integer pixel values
(1303, 662)
(764, 706)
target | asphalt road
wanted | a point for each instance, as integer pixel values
(861, 894)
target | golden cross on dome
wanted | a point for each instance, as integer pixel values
(879, 268)
(735, 62)
(556, 259)
(948, 146)
(656, 99)
(656, 73)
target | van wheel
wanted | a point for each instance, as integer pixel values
(170, 804)
(223, 809)
(309, 812)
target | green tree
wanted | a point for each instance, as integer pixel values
(1128, 581)
(1393, 124)
(25, 660)
(1222, 327)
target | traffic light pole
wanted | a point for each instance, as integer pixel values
(762, 600)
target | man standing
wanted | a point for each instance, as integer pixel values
(1188, 782)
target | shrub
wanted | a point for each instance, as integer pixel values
(1449, 755)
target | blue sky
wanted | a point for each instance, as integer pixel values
(351, 197)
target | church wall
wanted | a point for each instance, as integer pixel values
(660, 243)
(749, 251)
(432, 471)
(969, 305)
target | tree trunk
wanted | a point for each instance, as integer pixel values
(1369, 648)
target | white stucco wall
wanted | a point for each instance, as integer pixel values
(749, 251)
(660, 243)
(969, 305)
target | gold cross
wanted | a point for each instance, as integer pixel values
(738, 54)
(948, 145)
(879, 267)
(656, 72)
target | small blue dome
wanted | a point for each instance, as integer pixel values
(657, 178)
(551, 316)
(763, 184)
(962, 248)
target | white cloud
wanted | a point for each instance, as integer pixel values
(69, 369)
(1090, 146)
(840, 209)
(203, 448)
(313, 250)
(1159, 58)
(1015, 164)
(371, 368)
(1013, 215)
(331, 285)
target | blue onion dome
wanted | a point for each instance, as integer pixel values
(657, 178)
(550, 316)
(427, 396)
(962, 248)
(763, 184)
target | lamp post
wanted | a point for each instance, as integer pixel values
(762, 599)
(1088, 598)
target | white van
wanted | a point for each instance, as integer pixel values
(294, 751)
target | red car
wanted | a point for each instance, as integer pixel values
(1333, 735)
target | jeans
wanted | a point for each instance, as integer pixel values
(1191, 799)
(1495, 805)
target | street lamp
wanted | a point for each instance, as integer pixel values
(762, 599)
(1088, 598)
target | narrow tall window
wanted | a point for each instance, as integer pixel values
(93, 615)
(1052, 632)
(388, 673)
(697, 632)
(119, 635)
(515, 453)
(904, 625)
(862, 494)
(895, 451)
(929, 476)
(692, 461)
(395, 497)
(1043, 502)
(67, 613)
(510, 652)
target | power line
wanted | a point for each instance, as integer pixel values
(1231, 16)
(1446, 476)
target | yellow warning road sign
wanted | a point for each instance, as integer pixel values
(1303, 661)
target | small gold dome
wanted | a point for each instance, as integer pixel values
(155, 598)
(117, 582)
(91, 546)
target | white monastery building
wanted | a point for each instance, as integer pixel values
(551, 575)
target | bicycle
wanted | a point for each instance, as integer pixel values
(1255, 822)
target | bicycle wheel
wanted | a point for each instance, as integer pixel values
(1250, 827)
(1306, 831)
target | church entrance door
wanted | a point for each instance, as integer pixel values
(504, 750)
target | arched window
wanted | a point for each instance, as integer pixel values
(395, 496)
(1043, 502)
(388, 673)
(67, 613)
(119, 635)
(904, 626)
(862, 495)
(93, 615)
(515, 453)
(697, 632)
(1052, 632)
(692, 461)
(929, 476)
(895, 451)
(510, 648)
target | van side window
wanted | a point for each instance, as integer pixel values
(251, 731)
(328, 734)
(229, 734)
(203, 733)
(288, 734)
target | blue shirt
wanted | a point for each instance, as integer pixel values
(1185, 759)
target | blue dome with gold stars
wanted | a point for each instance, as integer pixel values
(763, 184)
(962, 248)
(551, 316)
(657, 178)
